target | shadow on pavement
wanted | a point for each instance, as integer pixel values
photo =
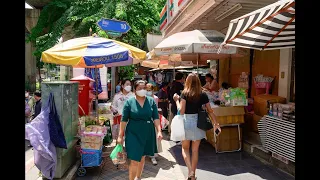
(235, 165)
(109, 171)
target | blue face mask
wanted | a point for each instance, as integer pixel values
(149, 93)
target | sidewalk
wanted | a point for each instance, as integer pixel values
(171, 166)
(167, 168)
(31, 171)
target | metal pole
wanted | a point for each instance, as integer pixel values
(113, 79)
(96, 79)
(174, 69)
(198, 64)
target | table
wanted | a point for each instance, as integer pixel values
(230, 139)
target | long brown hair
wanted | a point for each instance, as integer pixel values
(192, 88)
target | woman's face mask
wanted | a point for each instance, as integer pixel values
(127, 88)
(149, 93)
(141, 93)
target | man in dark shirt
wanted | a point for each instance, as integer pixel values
(163, 99)
(177, 87)
(37, 107)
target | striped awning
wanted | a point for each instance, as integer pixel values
(271, 27)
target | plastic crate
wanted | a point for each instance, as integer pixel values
(91, 157)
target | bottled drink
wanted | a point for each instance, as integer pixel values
(270, 113)
(275, 110)
(279, 111)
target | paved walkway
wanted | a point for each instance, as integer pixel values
(237, 166)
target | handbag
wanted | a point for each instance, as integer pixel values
(55, 128)
(204, 122)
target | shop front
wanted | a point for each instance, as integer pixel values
(270, 77)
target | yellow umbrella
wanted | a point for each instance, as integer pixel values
(93, 52)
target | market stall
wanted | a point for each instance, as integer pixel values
(228, 108)
(274, 116)
(94, 128)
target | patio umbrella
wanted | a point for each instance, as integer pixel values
(166, 64)
(194, 45)
(271, 27)
(93, 52)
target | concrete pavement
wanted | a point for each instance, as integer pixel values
(237, 166)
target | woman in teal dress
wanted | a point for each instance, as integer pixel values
(139, 117)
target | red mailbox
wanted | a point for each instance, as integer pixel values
(85, 94)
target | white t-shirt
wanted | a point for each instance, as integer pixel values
(119, 100)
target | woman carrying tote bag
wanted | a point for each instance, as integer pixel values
(191, 100)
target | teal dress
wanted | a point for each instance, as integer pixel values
(140, 135)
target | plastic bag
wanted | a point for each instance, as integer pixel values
(55, 128)
(177, 128)
(45, 155)
(118, 156)
(163, 122)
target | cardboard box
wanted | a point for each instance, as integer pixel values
(261, 103)
(251, 122)
(248, 119)
(255, 121)
(229, 115)
(228, 140)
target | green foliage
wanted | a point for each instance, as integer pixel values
(141, 15)
(126, 72)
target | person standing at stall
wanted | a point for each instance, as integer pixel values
(191, 100)
(211, 83)
(176, 88)
(139, 119)
(164, 99)
(118, 103)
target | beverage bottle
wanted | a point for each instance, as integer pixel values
(279, 111)
(275, 110)
(270, 113)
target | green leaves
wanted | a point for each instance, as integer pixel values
(141, 15)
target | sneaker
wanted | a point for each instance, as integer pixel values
(154, 161)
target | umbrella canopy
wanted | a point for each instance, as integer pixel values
(178, 67)
(202, 57)
(196, 41)
(271, 27)
(165, 64)
(93, 51)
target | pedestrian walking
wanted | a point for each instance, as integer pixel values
(38, 104)
(150, 93)
(176, 88)
(191, 100)
(139, 119)
(27, 112)
(118, 103)
(118, 87)
(30, 100)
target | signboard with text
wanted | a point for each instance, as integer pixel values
(114, 25)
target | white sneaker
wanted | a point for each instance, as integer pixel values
(154, 161)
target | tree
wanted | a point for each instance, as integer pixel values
(141, 15)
